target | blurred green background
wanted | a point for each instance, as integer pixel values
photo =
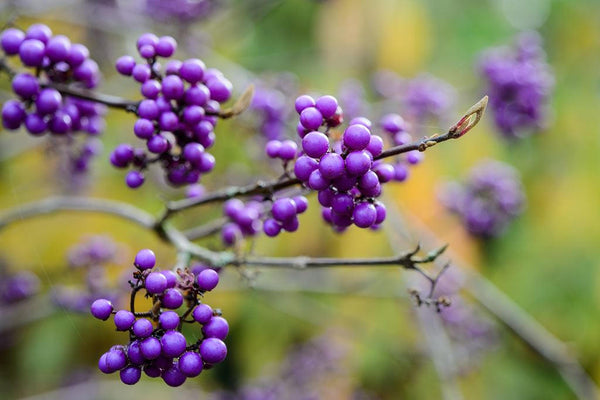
(547, 262)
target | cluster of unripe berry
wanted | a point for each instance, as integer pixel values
(177, 116)
(157, 345)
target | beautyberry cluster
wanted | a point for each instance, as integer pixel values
(41, 107)
(90, 259)
(270, 104)
(177, 116)
(397, 130)
(519, 84)
(488, 201)
(344, 172)
(156, 344)
(17, 286)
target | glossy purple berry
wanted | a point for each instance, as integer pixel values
(358, 162)
(271, 227)
(331, 165)
(213, 350)
(192, 70)
(25, 85)
(327, 106)
(364, 215)
(190, 364)
(173, 376)
(217, 327)
(311, 118)
(11, 40)
(173, 344)
(304, 166)
(304, 102)
(155, 283)
(115, 360)
(130, 375)
(134, 179)
(124, 320)
(208, 279)
(142, 328)
(172, 298)
(32, 52)
(101, 309)
(134, 353)
(315, 144)
(356, 137)
(125, 65)
(202, 313)
(150, 348)
(145, 259)
(58, 48)
(48, 101)
(169, 320)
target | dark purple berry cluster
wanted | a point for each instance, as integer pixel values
(40, 107)
(488, 201)
(156, 345)
(177, 116)
(344, 172)
(519, 84)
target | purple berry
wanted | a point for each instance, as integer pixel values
(40, 32)
(11, 40)
(304, 166)
(192, 70)
(190, 364)
(155, 283)
(48, 101)
(173, 344)
(311, 118)
(327, 105)
(172, 298)
(134, 179)
(115, 360)
(32, 52)
(217, 327)
(288, 150)
(271, 227)
(364, 215)
(58, 48)
(142, 328)
(331, 165)
(124, 320)
(25, 85)
(213, 350)
(358, 162)
(316, 181)
(145, 259)
(208, 279)
(101, 309)
(173, 376)
(134, 353)
(304, 102)
(150, 348)
(301, 203)
(356, 137)
(166, 46)
(315, 144)
(283, 209)
(130, 375)
(202, 313)
(168, 320)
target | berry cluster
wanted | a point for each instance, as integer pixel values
(397, 129)
(15, 287)
(156, 344)
(345, 174)
(182, 10)
(490, 198)
(519, 83)
(90, 258)
(244, 220)
(177, 116)
(270, 104)
(42, 108)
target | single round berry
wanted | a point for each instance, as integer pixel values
(208, 279)
(381, 213)
(217, 327)
(168, 320)
(77, 55)
(172, 87)
(25, 85)
(393, 123)
(311, 118)
(283, 209)
(316, 181)
(356, 137)
(171, 278)
(166, 46)
(134, 179)
(152, 371)
(213, 350)
(327, 105)
(364, 215)
(143, 128)
(342, 203)
(124, 320)
(172, 298)
(304, 166)
(102, 364)
(202, 313)
(375, 146)
(48, 101)
(173, 376)
(315, 144)
(115, 360)
(304, 102)
(358, 162)
(288, 150)
(31, 52)
(57, 48)
(142, 328)
(301, 204)
(190, 364)
(192, 70)
(331, 165)
(101, 309)
(147, 39)
(173, 344)
(291, 225)
(13, 114)
(155, 283)
(272, 148)
(40, 32)
(134, 353)
(130, 375)
(148, 109)
(145, 259)
(141, 73)
(150, 348)
(271, 227)
(11, 40)
(220, 89)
